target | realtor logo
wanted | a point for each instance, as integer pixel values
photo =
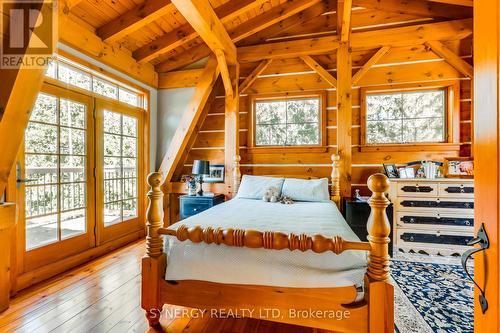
(29, 29)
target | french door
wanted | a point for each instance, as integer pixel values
(78, 175)
(54, 173)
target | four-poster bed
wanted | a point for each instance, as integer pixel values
(333, 308)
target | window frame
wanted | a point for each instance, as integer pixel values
(452, 116)
(321, 146)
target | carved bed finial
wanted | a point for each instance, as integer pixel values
(336, 179)
(378, 228)
(154, 242)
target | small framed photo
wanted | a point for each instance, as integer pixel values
(391, 171)
(459, 167)
(216, 174)
(406, 172)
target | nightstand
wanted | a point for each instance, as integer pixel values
(193, 204)
(356, 214)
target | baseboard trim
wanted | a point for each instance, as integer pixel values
(38, 275)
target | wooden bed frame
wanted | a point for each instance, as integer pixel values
(326, 308)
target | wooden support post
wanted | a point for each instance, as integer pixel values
(236, 174)
(154, 262)
(344, 117)
(325, 75)
(231, 130)
(372, 61)
(380, 292)
(261, 67)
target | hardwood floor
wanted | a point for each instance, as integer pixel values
(104, 296)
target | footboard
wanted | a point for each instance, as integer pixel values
(379, 293)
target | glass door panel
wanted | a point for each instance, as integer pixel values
(120, 156)
(56, 183)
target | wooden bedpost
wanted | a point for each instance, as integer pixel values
(380, 292)
(236, 174)
(335, 197)
(154, 262)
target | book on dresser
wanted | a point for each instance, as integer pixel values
(432, 216)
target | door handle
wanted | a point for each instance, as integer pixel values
(484, 243)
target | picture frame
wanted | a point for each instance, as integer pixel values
(216, 174)
(406, 172)
(391, 170)
(459, 167)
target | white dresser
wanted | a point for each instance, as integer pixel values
(433, 216)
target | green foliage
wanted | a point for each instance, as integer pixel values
(291, 122)
(406, 117)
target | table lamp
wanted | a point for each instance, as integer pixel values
(200, 168)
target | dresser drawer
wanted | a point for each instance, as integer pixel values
(456, 190)
(433, 221)
(417, 189)
(409, 236)
(451, 205)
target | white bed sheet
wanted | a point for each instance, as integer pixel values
(284, 268)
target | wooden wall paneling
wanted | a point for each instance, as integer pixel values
(344, 116)
(216, 122)
(417, 7)
(372, 61)
(261, 67)
(231, 130)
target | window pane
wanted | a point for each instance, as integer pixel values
(290, 122)
(112, 167)
(128, 97)
(113, 190)
(51, 69)
(40, 138)
(40, 169)
(45, 109)
(129, 209)
(41, 200)
(73, 223)
(72, 114)
(129, 147)
(41, 231)
(74, 77)
(112, 145)
(112, 213)
(72, 196)
(105, 88)
(406, 117)
(112, 122)
(72, 169)
(72, 141)
(129, 126)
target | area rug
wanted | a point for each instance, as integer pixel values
(432, 297)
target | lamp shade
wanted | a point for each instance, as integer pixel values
(201, 167)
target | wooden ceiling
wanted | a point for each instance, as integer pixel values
(154, 35)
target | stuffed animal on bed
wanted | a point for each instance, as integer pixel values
(271, 195)
(286, 200)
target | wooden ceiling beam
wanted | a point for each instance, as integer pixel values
(70, 4)
(417, 8)
(325, 75)
(186, 33)
(85, 41)
(372, 61)
(452, 58)
(201, 16)
(176, 151)
(252, 26)
(179, 79)
(261, 67)
(411, 35)
(134, 19)
(467, 3)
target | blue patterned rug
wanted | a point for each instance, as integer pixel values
(432, 298)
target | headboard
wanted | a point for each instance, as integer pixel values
(335, 177)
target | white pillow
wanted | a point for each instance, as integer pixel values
(306, 190)
(254, 187)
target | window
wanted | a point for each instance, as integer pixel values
(293, 121)
(399, 117)
(74, 74)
